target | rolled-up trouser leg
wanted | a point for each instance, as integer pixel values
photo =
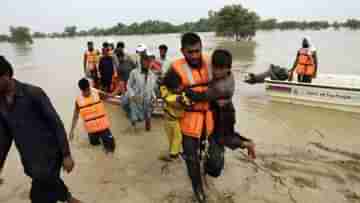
(191, 147)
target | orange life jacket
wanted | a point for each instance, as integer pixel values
(92, 59)
(305, 64)
(92, 111)
(200, 117)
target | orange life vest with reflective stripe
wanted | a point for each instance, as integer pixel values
(92, 59)
(92, 111)
(193, 122)
(306, 64)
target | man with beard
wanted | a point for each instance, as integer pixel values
(28, 118)
(140, 93)
(197, 122)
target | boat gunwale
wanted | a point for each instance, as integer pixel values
(311, 85)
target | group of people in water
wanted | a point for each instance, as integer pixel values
(199, 114)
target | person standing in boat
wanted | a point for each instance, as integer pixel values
(91, 61)
(125, 66)
(165, 62)
(28, 118)
(107, 68)
(306, 63)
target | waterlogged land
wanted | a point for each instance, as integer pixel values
(305, 154)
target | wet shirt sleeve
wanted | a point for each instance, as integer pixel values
(53, 120)
(222, 89)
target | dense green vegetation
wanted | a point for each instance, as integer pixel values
(233, 21)
(20, 35)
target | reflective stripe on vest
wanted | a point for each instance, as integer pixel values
(193, 122)
(306, 64)
(189, 75)
(92, 111)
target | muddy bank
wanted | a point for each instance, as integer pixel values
(285, 171)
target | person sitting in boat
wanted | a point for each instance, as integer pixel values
(96, 122)
(91, 61)
(107, 69)
(140, 93)
(274, 73)
(306, 63)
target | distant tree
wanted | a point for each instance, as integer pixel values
(39, 35)
(4, 38)
(286, 25)
(20, 35)
(237, 22)
(70, 31)
(353, 24)
(336, 25)
(268, 24)
(82, 33)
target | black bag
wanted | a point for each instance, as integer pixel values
(214, 162)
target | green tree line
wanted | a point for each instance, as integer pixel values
(232, 21)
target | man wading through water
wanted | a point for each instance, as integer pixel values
(197, 122)
(28, 117)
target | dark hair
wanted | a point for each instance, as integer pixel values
(171, 80)
(164, 47)
(190, 39)
(222, 57)
(90, 43)
(120, 45)
(305, 43)
(5, 67)
(105, 45)
(146, 57)
(84, 84)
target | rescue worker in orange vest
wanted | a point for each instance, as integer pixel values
(197, 121)
(306, 63)
(91, 61)
(92, 111)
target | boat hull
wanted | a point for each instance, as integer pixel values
(341, 98)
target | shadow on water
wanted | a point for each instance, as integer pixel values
(22, 49)
(243, 52)
(24, 53)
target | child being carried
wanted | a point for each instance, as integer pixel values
(221, 91)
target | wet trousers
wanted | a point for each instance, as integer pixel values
(106, 138)
(304, 78)
(173, 131)
(50, 190)
(191, 147)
